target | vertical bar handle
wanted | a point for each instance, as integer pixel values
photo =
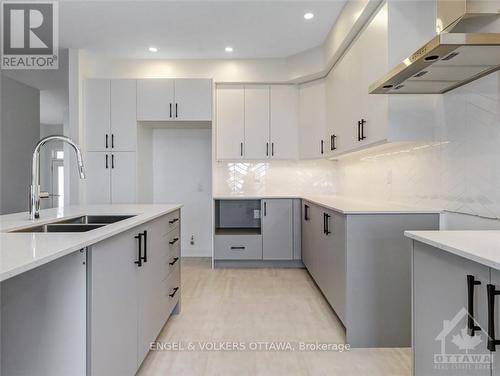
(107, 165)
(267, 149)
(492, 293)
(176, 110)
(138, 262)
(112, 161)
(326, 224)
(265, 208)
(170, 110)
(322, 146)
(471, 325)
(145, 237)
(241, 149)
(112, 141)
(106, 140)
(272, 149)
(362, 124)
(306, 212)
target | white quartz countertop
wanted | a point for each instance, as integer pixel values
(343, 205)
(479, 246)
(20, 252)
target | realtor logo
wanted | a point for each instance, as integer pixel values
(29, 35)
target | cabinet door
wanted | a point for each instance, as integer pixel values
(155, 99)
(495, 281)
(98, 178)
(284, 122)
(123, 178)
(277, 229)
(193, 99)
(123, 115)
(440, 304)
(230, 121)
(313, 241)
(113, 306)
(307, 234)
(97, 110)
(257, 122)
(312, 117)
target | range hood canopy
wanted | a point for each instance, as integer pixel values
(451, 59)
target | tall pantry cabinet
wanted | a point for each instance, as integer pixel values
(110, 128)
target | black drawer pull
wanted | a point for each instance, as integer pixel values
(173, 292)
(173, 241)
(174, 260)
(239, 247)
(306, 212)
(173, 221)
(326, 224)
(471, 325)
(492, 293)
(145, 256)
(138, 262)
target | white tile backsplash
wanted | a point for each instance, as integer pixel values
(459, 170)
(274, 178)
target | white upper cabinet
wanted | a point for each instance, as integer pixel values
(257, 122)
(174, 100)
(312, 120)
(123, 115)
(110, 115)
(193, 99)
(284, 122)
(97, 118)
(357, 120)
(230, 121)
(155, 100)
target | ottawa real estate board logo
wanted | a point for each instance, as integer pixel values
(29, 37)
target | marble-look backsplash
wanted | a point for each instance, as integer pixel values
(459, 170)
(274, 178)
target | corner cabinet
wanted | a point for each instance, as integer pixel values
(174, 100)
(362, 265)
(256, 122)
(357, 120)
(134, 286)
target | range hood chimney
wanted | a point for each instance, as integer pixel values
(461, 52)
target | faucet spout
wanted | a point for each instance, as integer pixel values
(35, 193)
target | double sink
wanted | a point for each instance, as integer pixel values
(83, 223)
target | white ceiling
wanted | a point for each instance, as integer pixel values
(196, 29)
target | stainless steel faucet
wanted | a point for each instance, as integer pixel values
(35, 193)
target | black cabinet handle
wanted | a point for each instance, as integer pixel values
(174, 260)
(174, 292)
(241, 149)
(492, 341)
(265, 208)
(471, 325)
(107, 166)
(138, 262)
(272, 149)
(112, 161)
(112, 141)
(173, 221)
(239, 247)
(362, 126)
(173, 241)
(267, 149)
(332, 142)
(306, 212)
(176, 108)
(170, 110)
(322, 146)
(326, 224)
(106, 142)
(359, 130)
(145, 237)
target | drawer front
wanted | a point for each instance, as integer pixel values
(173, 220)
(238, 247)
(173, 262)
(172, 289)
(173, 240)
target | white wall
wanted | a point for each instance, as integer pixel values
(458, 170)
(182, 173)
(19, 133)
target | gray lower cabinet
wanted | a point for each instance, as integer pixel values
(362, 265)
(133, 289)
(277, 229)
(446, 289)
(42, 319)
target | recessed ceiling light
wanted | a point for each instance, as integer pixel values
(309, 16)
(229, 49)
(153, 49)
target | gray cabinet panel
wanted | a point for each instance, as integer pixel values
(297, 235)
(277, 229)
(43, 320)
(113, 306)
(238, 247)
(440, 296)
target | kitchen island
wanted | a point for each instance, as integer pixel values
(455, 288)
(87, 302)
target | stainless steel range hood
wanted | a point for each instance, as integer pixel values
(451, 59)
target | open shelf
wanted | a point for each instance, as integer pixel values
(238, 231)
